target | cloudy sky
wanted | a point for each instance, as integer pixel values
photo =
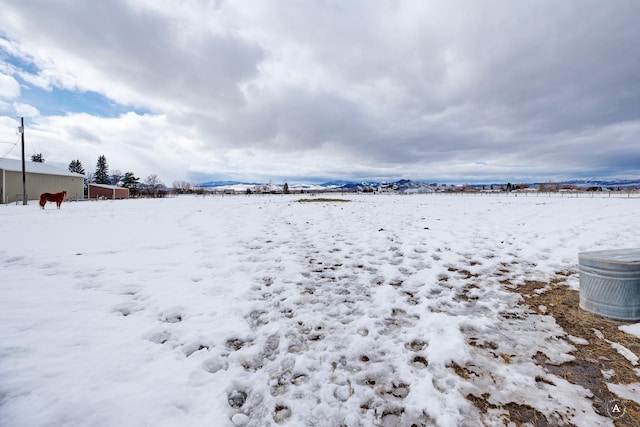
(308, 90)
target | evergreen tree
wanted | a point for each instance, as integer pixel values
(131, 182)
(102, 171)
(285, 188)
(76, 167)
(37, 158)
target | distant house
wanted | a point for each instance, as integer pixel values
(39, 178)
(103, 191)
(419, 190)
(387, 188)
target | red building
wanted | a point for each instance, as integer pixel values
(102, 191)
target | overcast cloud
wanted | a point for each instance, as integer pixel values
(461, 91)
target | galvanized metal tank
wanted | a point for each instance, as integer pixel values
(610, 283)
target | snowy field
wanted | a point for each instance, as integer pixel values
(257, 311)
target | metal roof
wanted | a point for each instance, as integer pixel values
(110, 187)
(13, 165)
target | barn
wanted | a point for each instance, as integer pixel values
(100, 191)
(40, 178)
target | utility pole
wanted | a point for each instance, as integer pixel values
(24, 175)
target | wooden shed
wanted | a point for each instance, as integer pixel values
(40, 178)
(103, 191)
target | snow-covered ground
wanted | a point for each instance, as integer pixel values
(259, 310)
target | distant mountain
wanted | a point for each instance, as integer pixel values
(337, 185)
(407, 185)
(603, 183)
(212, 184)
(350, 185)
(308, 187)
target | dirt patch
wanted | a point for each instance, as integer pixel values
(519, 415)
(323, 200)
(591, 335)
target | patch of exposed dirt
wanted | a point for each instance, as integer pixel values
(323, 200)
(519, 415)
(594, 355)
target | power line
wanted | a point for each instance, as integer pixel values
(10, 150)
(13, 145)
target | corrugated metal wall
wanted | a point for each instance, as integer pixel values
(38, 184)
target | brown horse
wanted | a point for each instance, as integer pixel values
(52, 197)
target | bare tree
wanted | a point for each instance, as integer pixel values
(154, 185)
(116, 177)
(181, 187)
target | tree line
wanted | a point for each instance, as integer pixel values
(152, 186)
